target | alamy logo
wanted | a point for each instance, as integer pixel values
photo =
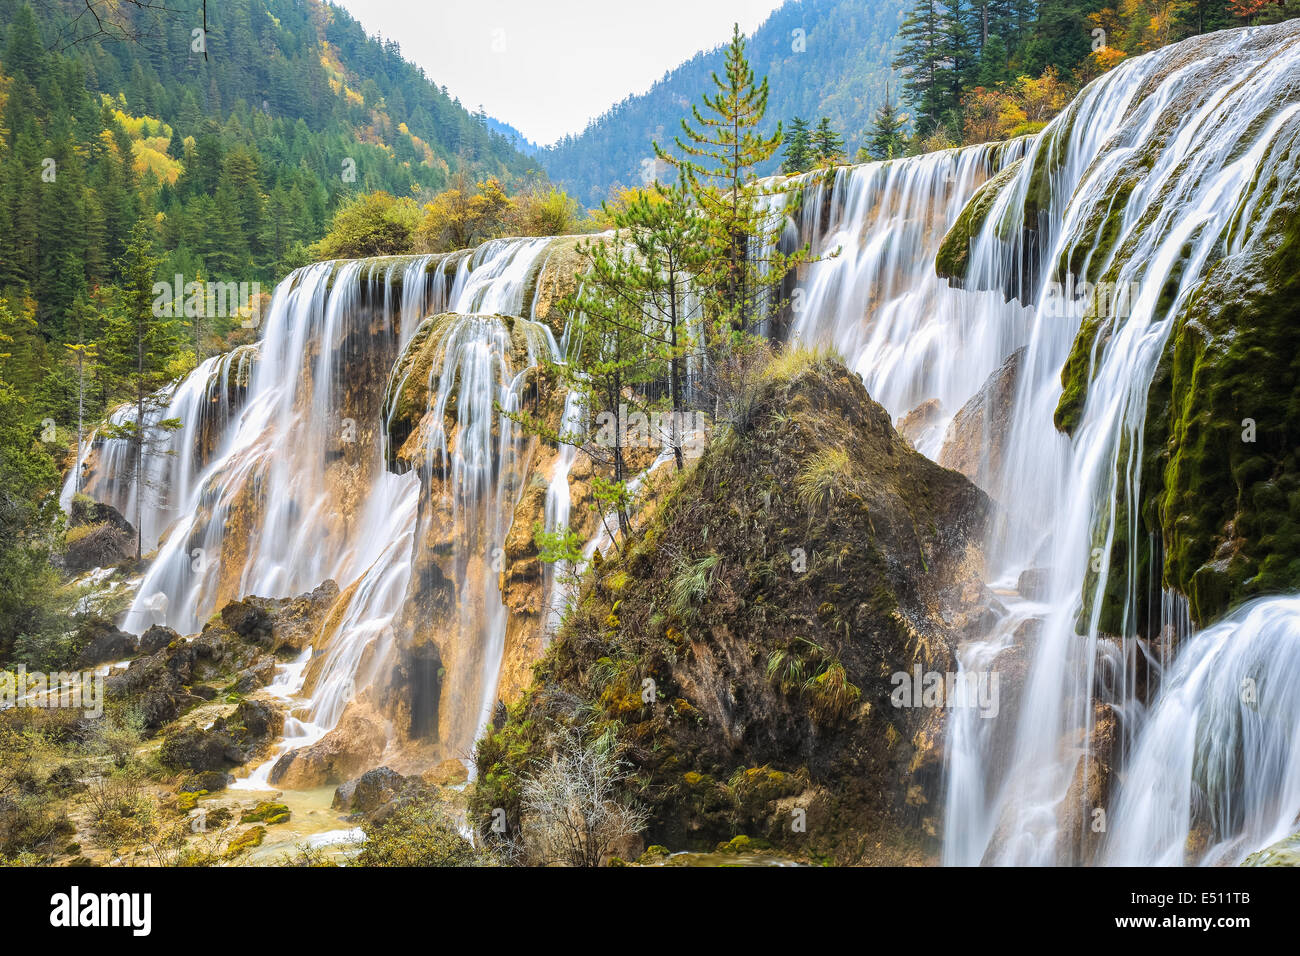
(967, 689)
(656, 430)
(73, 909)
(61, 689)
(195, 300)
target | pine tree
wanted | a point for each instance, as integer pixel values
(885, 140)
(137, 351)
(719, 154)
(921, 59)
(828, 145)
(962, 40)
(798, 148)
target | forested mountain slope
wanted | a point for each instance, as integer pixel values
(821, 57)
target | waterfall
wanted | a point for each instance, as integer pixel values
(270, 515)
(558, 506)
(291, 478)
(878, 302)
(1190, 149)
(1222, 733)
(205, 401)
(371, 442)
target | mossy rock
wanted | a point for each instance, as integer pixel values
(741, 843)
(266, 812)
(1282, 853)
(250, 838)
(653, 855)
(953, 258)
(1220, 467)
(187, 801)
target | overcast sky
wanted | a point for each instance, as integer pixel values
(548, 66)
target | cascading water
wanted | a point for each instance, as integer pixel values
(414, 532)
(205, 401)
(297, 488)
(878, 302)
(1022, 785)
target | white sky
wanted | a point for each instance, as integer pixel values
(548, 66)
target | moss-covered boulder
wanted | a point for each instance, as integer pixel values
(742, 650)
(268, 812)
(1224, 425)
(953, 257)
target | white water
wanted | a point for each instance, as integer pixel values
(558, 508)
(296, 489)
(913, 338)
(879, 303)
(204, 401)
(1010, 778)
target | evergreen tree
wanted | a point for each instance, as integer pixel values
(719, 153)
(798, 148)
(828, 145)
(29, 519)
(885, 140)
(962, 40)
(921, 58)
(136, 357)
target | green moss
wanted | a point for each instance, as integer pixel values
(187, 801)
(954, 253)
(266, 812)
(252, 837)
(1222, 509)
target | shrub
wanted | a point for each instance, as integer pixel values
(418, 833)
(575, 805)
(373, 224)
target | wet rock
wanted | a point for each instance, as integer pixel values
(260, 674)
(207, 781)
(341, 754)
(156, 638)
(919, 424)
(1032, 583)
(267, 812)
(250, 838)
(369, 791)
(1282, 853)
(976, 441)
(103, 643)
(98, 537)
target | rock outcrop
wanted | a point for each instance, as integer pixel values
(745, 649)
(976, 440)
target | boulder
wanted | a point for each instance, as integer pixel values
(976, 441)
(228, 743)
(369, 791)
(195, 748)
(249, 621)
(98, 537)
(156, 638)
(357, 742)
(103, 643)
(95, 546)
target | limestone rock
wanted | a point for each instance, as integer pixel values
(976, 441)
